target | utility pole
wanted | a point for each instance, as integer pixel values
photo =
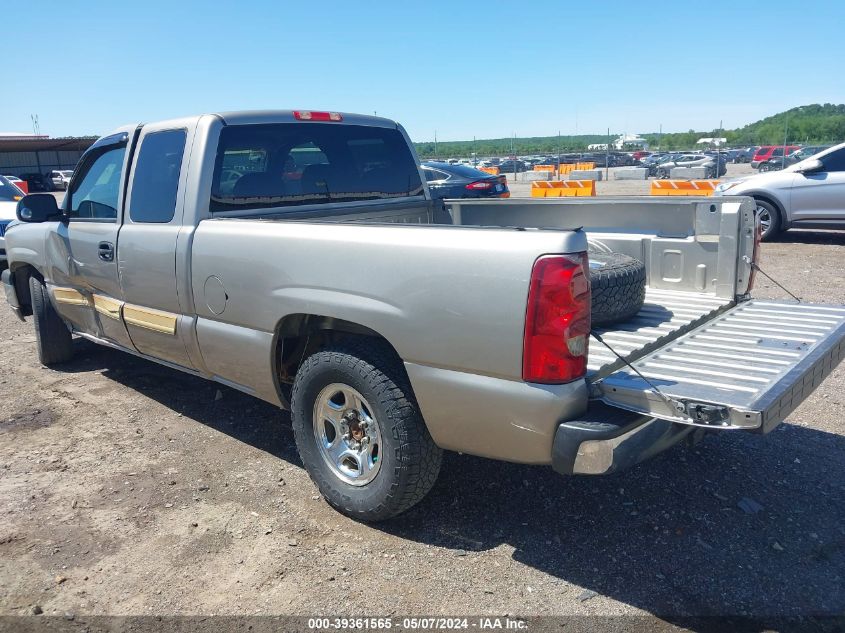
(718, 151)
(435, 144)
(607, 157)
(558, 151)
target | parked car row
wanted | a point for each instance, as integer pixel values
(54, 180)
(774, 164)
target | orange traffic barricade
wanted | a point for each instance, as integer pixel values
(490, 170)
(563, 188)
(683, 187)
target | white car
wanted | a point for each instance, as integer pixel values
(808, 194)
(61, 178)
(9, 196)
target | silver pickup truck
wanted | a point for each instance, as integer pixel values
(297, 256)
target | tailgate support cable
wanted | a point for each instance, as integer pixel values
(674, 405)
(756, 267)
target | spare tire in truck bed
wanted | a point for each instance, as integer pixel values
(617, 283)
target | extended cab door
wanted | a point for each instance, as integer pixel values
(81, 265)
(146, 253)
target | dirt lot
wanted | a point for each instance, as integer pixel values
(129, 488)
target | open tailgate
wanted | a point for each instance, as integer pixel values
(747, 368)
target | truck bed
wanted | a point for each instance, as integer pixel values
(665, 315)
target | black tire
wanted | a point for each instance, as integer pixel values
(54, 340)
(772, 226)
(410, 460)
(617, 283)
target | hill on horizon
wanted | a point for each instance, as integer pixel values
(815, 123)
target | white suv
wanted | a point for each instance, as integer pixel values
(61, 178)
(808, 194)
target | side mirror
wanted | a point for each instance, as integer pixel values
(38, 207)
(809, 166)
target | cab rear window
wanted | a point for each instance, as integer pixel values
(292, 164)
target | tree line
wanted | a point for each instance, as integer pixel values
(810, 124)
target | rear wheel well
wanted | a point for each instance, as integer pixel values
(298, 336)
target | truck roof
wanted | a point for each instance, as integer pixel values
(247, 117)
(252, 117)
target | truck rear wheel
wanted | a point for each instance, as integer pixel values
(54, 340)
(359, 432)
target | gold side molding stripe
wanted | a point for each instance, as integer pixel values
(150, 319)
(108, 307)
(70, 296)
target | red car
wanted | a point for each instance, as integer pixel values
(768, 152)
(639, 155)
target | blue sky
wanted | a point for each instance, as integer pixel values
(484, 69)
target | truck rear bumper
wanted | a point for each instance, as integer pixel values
(608, 440)
(491, 417)
(11, 294)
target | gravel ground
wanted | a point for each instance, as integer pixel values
(129, 488)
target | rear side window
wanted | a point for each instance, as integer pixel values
(289, 164)
(156, 178)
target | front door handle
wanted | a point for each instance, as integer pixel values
(105, 250)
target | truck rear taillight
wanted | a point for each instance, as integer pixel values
(481, 184)
(308, 115)
(557, 320)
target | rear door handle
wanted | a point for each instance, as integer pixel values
(105, 250)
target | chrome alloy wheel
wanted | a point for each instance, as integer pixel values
(764, 219)
(347, 434)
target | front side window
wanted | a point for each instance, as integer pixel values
(94, 194)
(289, 164)
(835, 161)
(155, 181)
